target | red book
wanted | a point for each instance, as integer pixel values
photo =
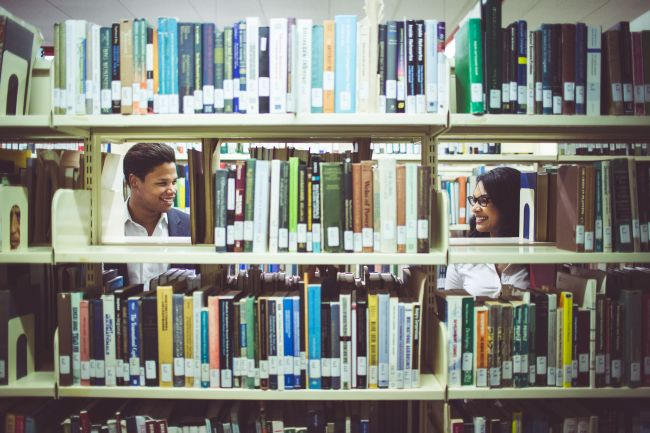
(568, 68)
(84, 343)
(637, 74)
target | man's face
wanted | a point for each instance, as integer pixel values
(158, 190)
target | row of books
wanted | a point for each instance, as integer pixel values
(596, 149)
(313, 206)
(545, 416)
(469, 148)
(258, 330)
(588, 329)
(289, 65)
(558, 69)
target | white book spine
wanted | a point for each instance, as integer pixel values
(278, 64)
(443, 82)
(67, 100)
(197, 306)
(303, 74)
(559, 362)
(353, 359)
(84, 49)
(96, 72)
(388, 198)
(454, 332)
(275, 206)
(431, 65)
(252, 64)
(109, 339)
(376, 234)
(393, 342)
(400, 345)
(345, 341)
(279, 337)
(607, 207)
(292, 85)
(411, 208)
(75, 300)
(593, 70)
(408, 344)
(261, 210)
(530, 69)
(363, 66)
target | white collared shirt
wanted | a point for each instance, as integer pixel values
(142, 273)
(483, 279)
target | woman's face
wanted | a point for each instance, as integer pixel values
(14, 227)
(487, 218)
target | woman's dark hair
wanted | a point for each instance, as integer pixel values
(502, 185)
(142, 158)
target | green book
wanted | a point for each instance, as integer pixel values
(198, 71)
(243, 99)
(467, 360)
(283, 217)
(332, 206)
(218, 71)
(105, 34)
(523, 368)
(469, 68)
(294, 164)
(251, 342)
(227, 70)
(220, 211)
(532, 352)
(317, 69)
(249, 205)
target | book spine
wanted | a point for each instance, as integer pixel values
(566, 303)
(165, 334)
(230, 208)
(126, 66)
(219, 72)
(162, 106)
(106, 51)
(363, 67)
(348, 213)
(410, 66)
(285, 363)
(454, 335)
(443, 70)
(317, 69)
(493, 54)
(393, 343)
(65, 341)
(400, 68)
(109, 339)
(424, 200)
(134, 347)
(208, 67)
(547, 65)
(75, 300)
(391, 67)
(278, 64)
(264, 84)
(178, 340)
(332, 209)
(530, 73)
(401, 192)
(249, 205)
(357, 203)
(481, 351)
(253, 374)
(373, 336)
(408, 344)
(367, 207)
(186, 67)
(314, 335)
(84, 344)
(226, 343)
(220, 209)
(228, 81)
(97, 341)
(345, 62)
(292, 65)
(150, 63)
(149, 340)
(294, 181)
(303, 74)
(236, 64)
(302, 208)
(593, 71)
(387, 177)
(240, 200)
(376, 243)
(581, 67)
(345, 340)
(430, 66)
(568, 36)
(522, 58)
(252, 64)
(261, 206)
(381, 67)
(420, 100)
(335, 348)
(467, 345)
(242, 68)
(274, 206)
(316, 204)
(188, 340)
(328, 66)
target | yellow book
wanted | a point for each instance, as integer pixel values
(188, 331)
(328, 66)
(165, 334)
(373, 347)
(517, 422)
(180, 192)
(566, 302)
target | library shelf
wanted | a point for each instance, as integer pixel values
(459, 227)
(535, 254)
(496, 158)
(31, 127)
(399, 157)
(593, 158)
(205, 254)
(536, 127)
(196, 126)
(430, 389)
(472, 392)
(36, 384)
(29, 255)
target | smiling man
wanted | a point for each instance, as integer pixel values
(150, 171)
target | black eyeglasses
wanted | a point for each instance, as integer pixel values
(482, 200)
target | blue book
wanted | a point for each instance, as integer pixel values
(581, 68)
(207, 58)
(297, 358)
(235, 67)
(163, 44)
(314, 335)
(401, 343)
(172, 65)
(382, 350)
(205, 349)
(522, 76)
(287, 312)
(187, 186)
(364, 426)
(547, 71)
(317, 69)
(133, 323)
(273, 346)
(345, 62)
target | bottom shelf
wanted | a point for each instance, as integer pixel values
(37, 384)
(430, 390)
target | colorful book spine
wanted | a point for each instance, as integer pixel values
(208, 66)
(134, 340)
(317, 68)
(345, 63)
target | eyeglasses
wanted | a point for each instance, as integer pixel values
(482, 200)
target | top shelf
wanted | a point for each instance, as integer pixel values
(535, 128)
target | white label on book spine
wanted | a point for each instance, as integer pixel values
(589, 241)
(106, 98)
(516, 368)
(495, 376)
(332, 236)
(372, 374)
(521, 95)
(646, 366)
(110, 375)
(568, 372)
(64, 364)
(547, 100)
(264, 86)
(624, 232)
(636, 229)
(214, 378)
(328, 80)
(495, 98)
(273, 365)
(264, 369)
(583, 363)
(248, 230)
(541, 363)
(134, 364)
(348, 240)
(476, 92)
(358, 242)
(126, 370)
(314, 368)
(423, 229)
(315, 231)
(345, 100)
(326, 367)
(505, 92)
(208, 95)
(401, 90)
(302, 233)
(198, 100)
(89, 89)
(100, 368)
(218, 98)
(317, 97)
(580, 234)
(513, 91)
(367, 235)
(600, 364)
(580, 94)
(179, 366)
(481, 377)
(230, 235)
(226, 378)
(166, 372)
(361, 365)
(599, 229)
(628, 92)
(94, 374)
(647, 93)
(85, 370)
(644, 233)
(523, 368)
(283, 238)
(127, 95)
(467, 363)
(205, 372)
(401, 235)
(557, 105)
(569, 91)
(616, 369)
(188, 104)
(538, 91)
(531, 373)
(635, 372)
(551, 376)
(239, 230)
(220, 236)
(189, 367)
(228, 89)
(617, 92)
(150, 369)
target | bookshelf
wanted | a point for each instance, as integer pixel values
(472, 392)
(36, 384)
(29, 255)
(496, 159)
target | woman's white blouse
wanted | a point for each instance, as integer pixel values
(483, 279)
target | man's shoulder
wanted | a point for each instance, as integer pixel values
(179, 222)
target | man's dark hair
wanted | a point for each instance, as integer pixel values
(143, 158)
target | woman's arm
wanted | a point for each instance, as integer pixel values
(453, 280)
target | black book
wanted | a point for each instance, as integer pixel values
(326, 371)
(621, 206)
(410, 66)
(381, 66)
(149, 341)
(273, 346)
(230, 209)
(150, 71)
(491, 29)
(302, 207)
(178, 340)
(348, 223)
(401, 67)
(116, 96)
(541, 337)
(264, 90)
(420, 102)
(97, 342)
(362, 348)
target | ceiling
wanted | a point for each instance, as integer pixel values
(44, 13)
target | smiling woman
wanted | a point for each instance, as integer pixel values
(495, 213)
